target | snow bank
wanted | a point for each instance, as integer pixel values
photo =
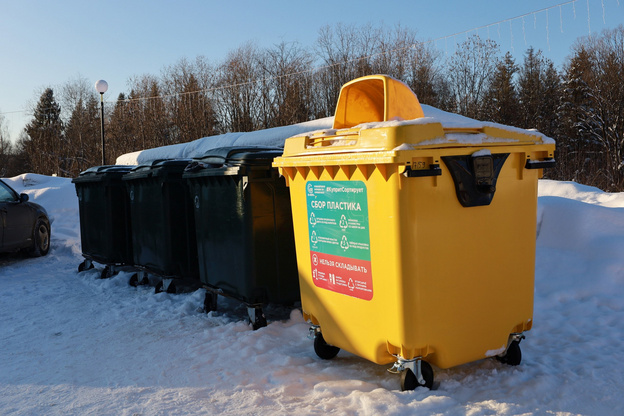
(583, 193)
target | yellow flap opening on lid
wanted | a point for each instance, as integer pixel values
(375, 98)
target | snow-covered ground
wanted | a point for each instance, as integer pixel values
(73, 344)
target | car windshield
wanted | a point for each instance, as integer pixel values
(7, 194)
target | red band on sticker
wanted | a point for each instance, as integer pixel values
(343, 275)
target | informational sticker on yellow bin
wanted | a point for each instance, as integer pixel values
(339, 237)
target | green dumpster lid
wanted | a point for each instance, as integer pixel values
(160, 163)
(158, 167)
(238, 154)
(107, 169)
(232, 160)
(170, 163)
(96, 173)
(93, 170)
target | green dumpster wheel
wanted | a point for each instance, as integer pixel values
(172, 289)
(83, 266)
(210, 302)
(134, 280)
(107, 273)
(260, 320)
(323, 349)
(513, 355)
(410, 382)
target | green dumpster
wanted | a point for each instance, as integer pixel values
(244, 228)
(163, 225)
(104, 217)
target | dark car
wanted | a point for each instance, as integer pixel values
(23, 224)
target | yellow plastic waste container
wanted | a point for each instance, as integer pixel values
(415, 236)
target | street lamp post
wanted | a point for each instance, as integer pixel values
(101, 86)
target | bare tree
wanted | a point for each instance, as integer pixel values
(190, 108)
(470, 70)
(237, 94)
(12, 155)
(149, 114)
(287, 90)
(82, 126)
(77, 89)
(345, 54)
(5, 147)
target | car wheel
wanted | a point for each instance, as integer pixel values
(41, 238)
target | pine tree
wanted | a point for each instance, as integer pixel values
(45, 143)
(530, 89)
(502, 99)
(551, 100)
(591, 133)
(82, 134)
(539, 86)
(574, 143)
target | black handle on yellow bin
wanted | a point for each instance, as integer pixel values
(434, 170)
(540, 164)
(475, 177)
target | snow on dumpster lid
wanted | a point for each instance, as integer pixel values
(273, 137)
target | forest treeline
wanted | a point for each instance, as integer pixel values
(580, 105)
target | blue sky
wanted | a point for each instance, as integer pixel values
(47, 43)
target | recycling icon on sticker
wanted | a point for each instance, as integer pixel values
(344, 243)
(343, 222)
